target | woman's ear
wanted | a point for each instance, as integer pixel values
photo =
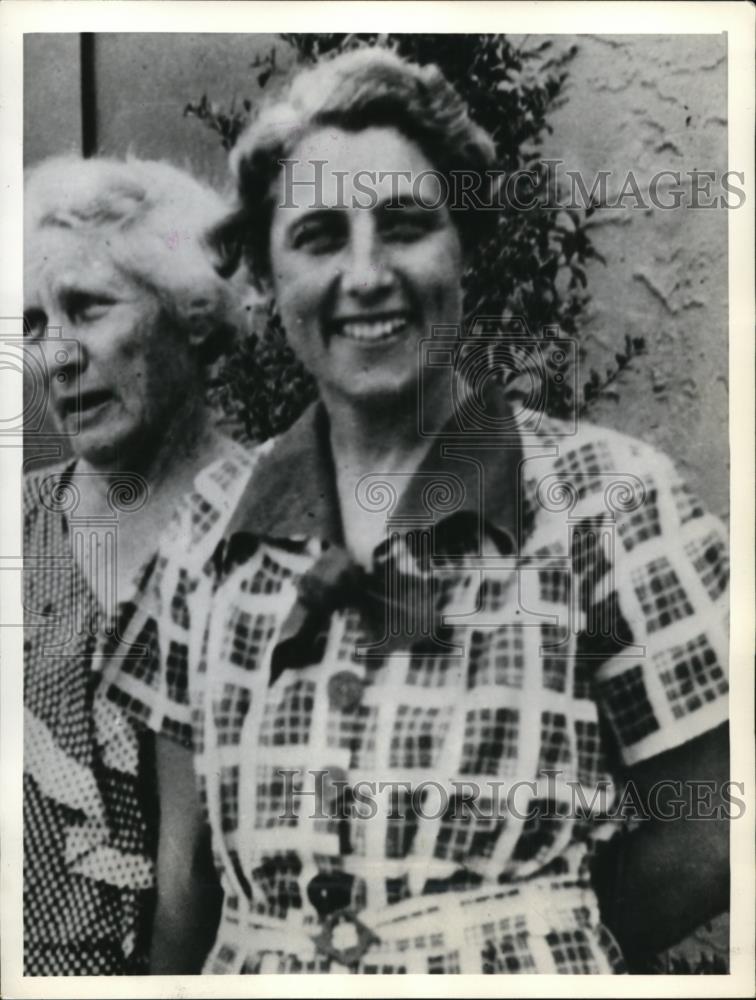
(263, 286)
(253, 307)
(200, 328)
(225, 243)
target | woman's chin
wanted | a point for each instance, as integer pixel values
(122, 447)
(371, 388)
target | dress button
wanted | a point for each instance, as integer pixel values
(330, 891)
(345, 690)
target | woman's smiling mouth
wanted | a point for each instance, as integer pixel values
(370, 329)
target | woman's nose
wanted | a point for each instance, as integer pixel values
(65, 357)
(367, 271)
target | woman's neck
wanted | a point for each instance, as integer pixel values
(167, 462)
(383, 441)
(168, 470)
(386, 433)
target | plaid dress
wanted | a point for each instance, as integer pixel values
(441, 751)
(88, 811)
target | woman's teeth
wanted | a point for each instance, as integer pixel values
(371, 330)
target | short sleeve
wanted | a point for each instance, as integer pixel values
(665, 583)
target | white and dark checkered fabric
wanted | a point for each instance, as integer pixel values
(88, 842)
(603, 639)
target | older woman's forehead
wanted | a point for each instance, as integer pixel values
(340, 168)
(56, 259)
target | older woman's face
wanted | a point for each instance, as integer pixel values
(360, 284)
(116, 377)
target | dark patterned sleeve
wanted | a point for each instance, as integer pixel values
(664, 597)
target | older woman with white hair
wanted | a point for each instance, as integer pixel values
(125, 306)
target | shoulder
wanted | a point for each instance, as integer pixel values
(592, 456)
(48, 489)
(203, 513)
(220, 483)
(595, 470)
(596, 446)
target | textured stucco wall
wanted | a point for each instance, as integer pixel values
(646, 104)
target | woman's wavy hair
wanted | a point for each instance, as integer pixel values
(355, 90)
(155, 224)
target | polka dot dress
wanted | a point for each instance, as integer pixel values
(88, 840)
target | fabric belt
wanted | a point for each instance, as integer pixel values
(461, 919)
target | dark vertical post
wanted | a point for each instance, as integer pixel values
(88, 95)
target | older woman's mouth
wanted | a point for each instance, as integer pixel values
(85, 403)
(370, 329)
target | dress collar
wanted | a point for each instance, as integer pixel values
(292, 491)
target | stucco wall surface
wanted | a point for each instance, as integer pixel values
(646, 104)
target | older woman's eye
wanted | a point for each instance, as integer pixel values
(35, 323)
(81, 307)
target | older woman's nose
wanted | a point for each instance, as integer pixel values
(65, 357)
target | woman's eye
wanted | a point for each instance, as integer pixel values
(82, 308)
(404, 228)
(319, 238)
(35, 323)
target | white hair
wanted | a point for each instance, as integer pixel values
(152, 220)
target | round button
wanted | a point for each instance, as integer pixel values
(345, 690)
(330, 891)
(335, 776)
(335, 782)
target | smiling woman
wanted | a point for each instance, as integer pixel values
(358, 288)
(125, 306)
(426, 643)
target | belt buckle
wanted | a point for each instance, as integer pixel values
(339, 949)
